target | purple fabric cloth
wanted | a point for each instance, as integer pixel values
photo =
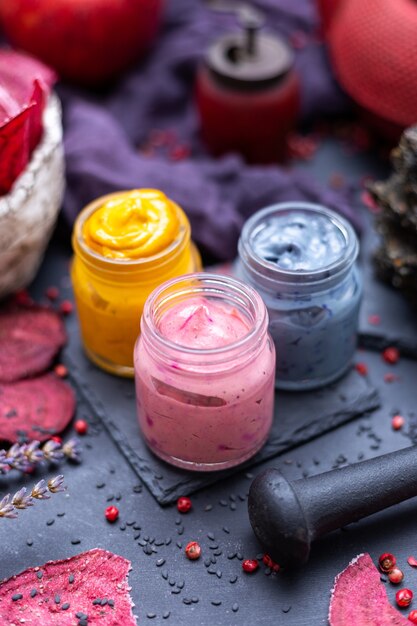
(103, 133)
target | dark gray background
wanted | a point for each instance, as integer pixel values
(260, 599)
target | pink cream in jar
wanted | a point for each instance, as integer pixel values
(205, 372)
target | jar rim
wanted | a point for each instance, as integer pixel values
(112, 264)
(270, 270)
(204, 283)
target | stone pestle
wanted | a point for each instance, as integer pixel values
(287, 516)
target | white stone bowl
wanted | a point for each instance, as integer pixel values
(29, 211)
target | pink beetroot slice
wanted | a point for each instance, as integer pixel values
(359, 598)
(30, 338)
(92, 583)
(35, 409)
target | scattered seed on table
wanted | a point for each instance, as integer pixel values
(208, 507)
(50, 522)
(160, 562)
(213, 546)
(168, 541)
(171, 582)
(187, 601)
(233, 579)
(75, 542)
(181, 584)
(231, 555)
(219, 573)
(235, 607)
(180, 530)
(218, 552)
(164, 574)
(286, 609)
(222, 502)
(176, 591)
(166, 614)
(179, 544)
(226, 530)
(100, 485)
(216, 602)
(29, 542)
(150, 615)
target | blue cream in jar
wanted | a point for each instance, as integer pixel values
(301, 258)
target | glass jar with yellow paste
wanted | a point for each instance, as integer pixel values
(125, 244)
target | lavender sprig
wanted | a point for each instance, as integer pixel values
(9, 505)
(28, 455)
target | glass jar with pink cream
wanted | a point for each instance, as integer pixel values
(205, 372)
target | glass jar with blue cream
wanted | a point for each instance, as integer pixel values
(301, 258)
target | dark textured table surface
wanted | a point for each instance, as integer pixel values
(166, 587)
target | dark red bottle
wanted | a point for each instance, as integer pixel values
(248, 94)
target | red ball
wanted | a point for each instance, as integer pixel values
(111, 513)
(412, 616)
(396, 576)
(391, 355)
(66, 307)
(387, 562)
(404, 597)
(193, 550)
(362, 369)
(250, 565)
(184, 504)
(81, 427)
(86, 42)
(397, 422)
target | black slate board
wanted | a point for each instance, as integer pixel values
(298, 418)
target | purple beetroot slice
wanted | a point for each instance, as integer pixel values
(30, 338)
(35, 408)
(77, 582)
(359, 598)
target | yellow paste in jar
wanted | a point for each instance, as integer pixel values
(126, 244)
(132, 226)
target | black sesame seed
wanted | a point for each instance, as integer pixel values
(65, 606)
(103, 602)
(17, 596)
(50, 522)
(213, 546)
(137, 527)
(211, 571)
(171, 582)
(122, 526)
(142, 543)
(249, 475)
(118, 497)
(130, 522)
(210, 536)
(110, 603)
(168, 541)
(33, 593)
(164, 574)
(110, 498)
(83, 622)
(160, 562)
(166, 614)
(57, 599)
(233, 506)
(178, 521)
(213, 560)
(75, 542)
(180, 530)
(100, 485)
(233, 579)
(231, 555)
(136, 537)
(181, 584)
(137, 489)
(235, 607)
(147, 550)
(97, 601)
(207, 562)
(222, 502)
(29, 542)
(226, 530)
(219, 573)
(216, 602)
(286, 609)
(81, 615)
(208, 507)
(179, 544)
(195, 600)
(268, 571)
(39, 574)
(259, 556)
(218, 552)
(382, 579)
(176, 591)
(187, 601)
(239, 555)
(71, 579)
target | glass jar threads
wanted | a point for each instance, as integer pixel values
(125, 244)
(302, 259)
(205, 372)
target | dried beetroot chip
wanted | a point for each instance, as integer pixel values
(36, 408)
(359, 598)
(30, 338)
(66, 589)
(24, 87)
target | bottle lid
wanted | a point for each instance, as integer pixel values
(249, 60)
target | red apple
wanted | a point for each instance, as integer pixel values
(86, 41)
